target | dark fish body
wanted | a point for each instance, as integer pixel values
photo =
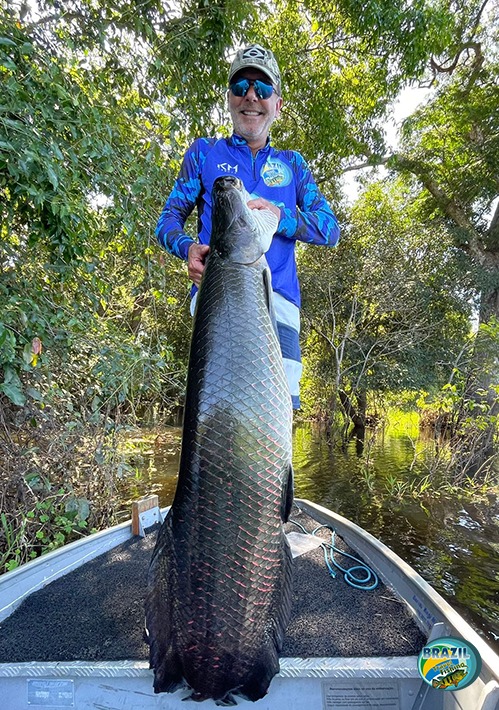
(219, 593)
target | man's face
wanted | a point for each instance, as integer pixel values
(251, 116)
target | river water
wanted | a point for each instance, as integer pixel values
(453, 543)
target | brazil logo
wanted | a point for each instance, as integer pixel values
(275, 173)
(449, 663)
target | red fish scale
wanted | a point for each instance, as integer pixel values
(229, 584)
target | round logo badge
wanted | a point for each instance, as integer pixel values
(449, 663)
(275, 173)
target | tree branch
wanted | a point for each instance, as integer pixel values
(368, 164)
(55, 17)
(449, 207)
(476, 46)
(478, 17)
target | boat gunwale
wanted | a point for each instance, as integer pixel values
(454, 622)
(360, 666)
(43, 570)
(377, 553)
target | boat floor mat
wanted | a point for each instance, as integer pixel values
(96, 612)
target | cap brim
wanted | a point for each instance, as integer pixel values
(254, 66)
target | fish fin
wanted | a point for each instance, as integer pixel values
(287, 495)
(269, 298)
(264, 669)
(227, 701)
(168, 675)
(162, 658)
(284, 598)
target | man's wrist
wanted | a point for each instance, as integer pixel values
(184, 246)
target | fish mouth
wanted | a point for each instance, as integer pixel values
(229, 182)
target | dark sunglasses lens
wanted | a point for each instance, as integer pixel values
(263, 90)
(240, 88)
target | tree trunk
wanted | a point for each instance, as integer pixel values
(356, 414)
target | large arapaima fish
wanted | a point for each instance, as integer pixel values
(219, 587)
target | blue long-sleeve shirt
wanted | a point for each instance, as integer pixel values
(280, 176)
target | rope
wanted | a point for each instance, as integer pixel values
(359, 576)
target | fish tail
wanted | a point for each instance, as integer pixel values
(264, 669)
(162, 658)
(168, 675)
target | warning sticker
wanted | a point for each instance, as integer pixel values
(365, 694)
(56, 693)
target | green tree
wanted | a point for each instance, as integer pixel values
(346, 65)
(343, 63)
(98, 102)
(450, 150)
(382, 315)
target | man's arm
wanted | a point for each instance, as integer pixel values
(313, 221)
(181, 202)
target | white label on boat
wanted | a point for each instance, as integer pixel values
(56, 693)
(365, 694)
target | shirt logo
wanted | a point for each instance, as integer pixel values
(254, 52)
(226, 168)
(275, 173)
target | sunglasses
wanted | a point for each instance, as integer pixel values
(262, 89)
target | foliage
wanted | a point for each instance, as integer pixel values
(382, 314)
(99, 101)
(56, 478)
(94, 323)
(343, 63)
(450, 149)
(462, 413)
(76, 215)
(53, 525)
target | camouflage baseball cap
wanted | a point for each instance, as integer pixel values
(256, 57)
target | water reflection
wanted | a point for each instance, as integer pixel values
(151, 467)
(453, 545)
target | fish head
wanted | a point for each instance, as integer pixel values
(234, 233)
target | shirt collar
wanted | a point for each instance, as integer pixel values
(238, 141)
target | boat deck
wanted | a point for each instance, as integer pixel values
(96, 612)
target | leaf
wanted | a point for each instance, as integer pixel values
(53, 177)
(12, 387)
(7, 63)
(27, 354)
(80, 506)
(36, 346)
(27, 48)
(99, 457)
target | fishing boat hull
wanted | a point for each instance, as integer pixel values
(325, 683)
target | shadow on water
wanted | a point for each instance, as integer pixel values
(453, 544)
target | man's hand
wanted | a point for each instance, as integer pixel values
(262, 204)
(196, 261)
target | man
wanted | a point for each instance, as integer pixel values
(279, 181)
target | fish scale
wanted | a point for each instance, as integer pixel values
(219, 592)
